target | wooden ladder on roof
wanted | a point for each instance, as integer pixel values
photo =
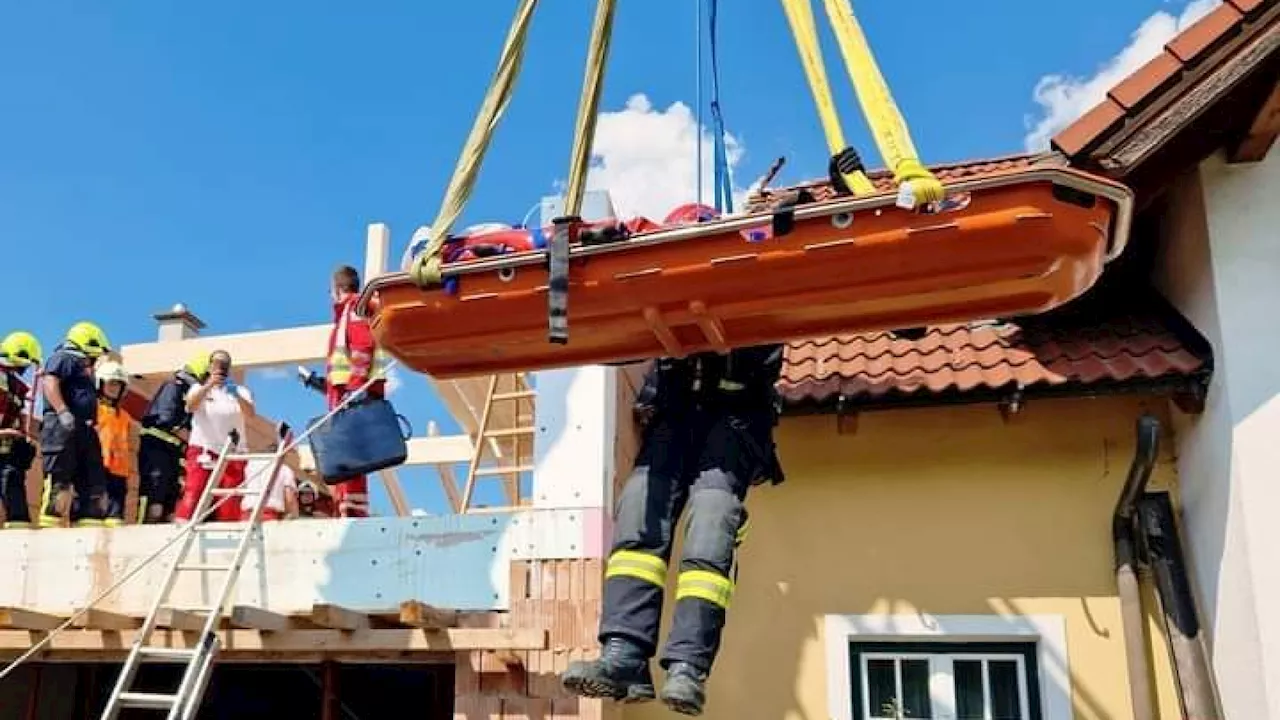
(520, 395)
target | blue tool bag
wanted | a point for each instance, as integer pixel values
(366, 436)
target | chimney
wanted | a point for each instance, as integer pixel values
(178, 323)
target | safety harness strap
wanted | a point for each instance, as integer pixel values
(426, 270)
(565, 232)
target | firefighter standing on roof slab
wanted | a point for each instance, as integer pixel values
(114, 430)
(162, 442)
(354, 362)
(18, 351)
(708, 437)
(72, 455)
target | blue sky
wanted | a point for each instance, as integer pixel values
(228, 155)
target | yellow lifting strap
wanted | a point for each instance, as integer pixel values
(800, 16)
(588, 106)
(916, 185)
(426, 270)
(427, 266)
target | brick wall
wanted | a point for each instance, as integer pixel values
(562, 596)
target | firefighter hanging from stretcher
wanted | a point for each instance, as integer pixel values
(708, 437)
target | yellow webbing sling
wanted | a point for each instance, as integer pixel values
(916, 185)
(800, 16)
(427, 266)
(588, 106)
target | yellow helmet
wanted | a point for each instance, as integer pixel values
(21, 349)
(198, 365)
(89, 339)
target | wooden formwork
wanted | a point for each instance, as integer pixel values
(562, 596)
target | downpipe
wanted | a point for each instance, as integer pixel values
(1124, 539)
(1163, 550)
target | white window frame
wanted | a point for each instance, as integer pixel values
(942, 688)
(1048, 632)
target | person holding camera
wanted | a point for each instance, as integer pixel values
(218, 407)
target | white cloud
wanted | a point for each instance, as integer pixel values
(394, 381)
(1063, 98)
(647, 158)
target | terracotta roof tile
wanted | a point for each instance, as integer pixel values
(883, 179)
(1205, 33)
(1078, 135)
(1142, 87)
(1131, 91)
(959, 358)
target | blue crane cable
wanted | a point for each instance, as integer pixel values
(697, 75)
(723, 181)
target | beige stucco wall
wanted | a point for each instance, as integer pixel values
(944, 511)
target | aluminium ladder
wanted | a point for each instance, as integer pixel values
(198, 658)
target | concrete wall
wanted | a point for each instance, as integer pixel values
(1220, 265)
(923, 514)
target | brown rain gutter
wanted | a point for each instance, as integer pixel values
(1124, 538)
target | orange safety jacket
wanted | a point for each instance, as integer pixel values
(114, 427)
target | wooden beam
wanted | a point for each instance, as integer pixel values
(180, 620)
(266, 348)
(98, 619)
(509, 658)
(20, 619)
(252, 618)
(116, 644)
(448, 478)
(422, 451)
(421, 615)
(336, 617)
(395, 491)
(377, 250)
(1262, 131)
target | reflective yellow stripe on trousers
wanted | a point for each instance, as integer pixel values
(46, 494)
(705, 585)
(642, 566)
(161, 435)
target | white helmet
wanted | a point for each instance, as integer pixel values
(109, 370)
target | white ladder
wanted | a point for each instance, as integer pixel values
(186, 698)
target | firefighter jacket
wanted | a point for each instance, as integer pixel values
(13, 396)
(740, 383)
(353, 357)
(167, 414)
(114, 426)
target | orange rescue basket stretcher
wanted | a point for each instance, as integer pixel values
(1017, 243)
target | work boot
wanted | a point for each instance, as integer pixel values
(684, 691)
(621, 673)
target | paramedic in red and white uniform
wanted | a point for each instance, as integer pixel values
(354, 362)
(218, 406)
(282, 501)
